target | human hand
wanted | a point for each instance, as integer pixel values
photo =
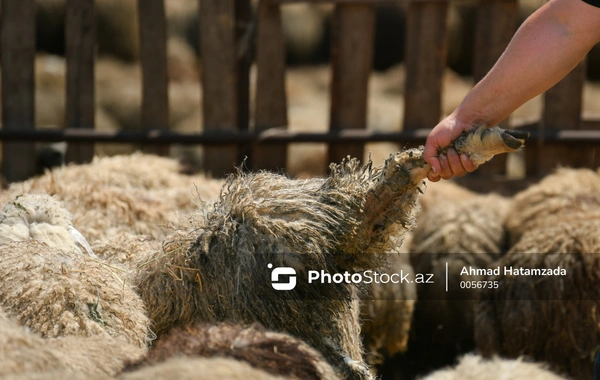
(447, 164)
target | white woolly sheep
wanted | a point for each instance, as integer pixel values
(126, 249)
(473, 367)
(60, 293)
(49, 285)
(42, 218)
(139, 194)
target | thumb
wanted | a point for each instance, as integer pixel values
(430, 155)
(436, 167)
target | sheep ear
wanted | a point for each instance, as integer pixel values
(79, 239)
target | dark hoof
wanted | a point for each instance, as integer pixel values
(514, 139)
(517, 134)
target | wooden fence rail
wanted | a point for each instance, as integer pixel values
(162, 137)
(232, 37)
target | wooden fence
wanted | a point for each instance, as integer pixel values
(232, 37)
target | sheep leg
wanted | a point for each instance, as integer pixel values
(484, 143)
(393, 196)
(481, 145)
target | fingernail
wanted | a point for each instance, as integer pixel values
(434, 171)
(463, 157)
(443, 156)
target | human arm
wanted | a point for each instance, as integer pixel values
(549, 44)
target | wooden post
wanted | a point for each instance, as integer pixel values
(562, 110)
(495, 25)
(426, 47)
(153, 55)
(224, 79)
(80, 42)
(17, 60)
(352, 60)
(270, 100)
(244, 36)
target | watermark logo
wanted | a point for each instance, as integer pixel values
(283, 271)
(369, 277)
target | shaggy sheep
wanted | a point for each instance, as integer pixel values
(126, 249)
(469, 227)
(553, 223)
(199, 369)
(219, 269)
(49, 283)
(567, 193)
(472, 367)
(550, 318)
(467, 233)
(28, 356)
(140, 194)
(60, 293)
(443, 191)
(388, 312)
(275, 353)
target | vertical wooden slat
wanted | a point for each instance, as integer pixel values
(17, 61)
(153, 55)
(495, 25)
(562, 110)
(270, 103)
(426, 47)
(244, 38)
(224, 80)
(352, 59)
(80, 42)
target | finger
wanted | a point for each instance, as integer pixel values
(455, 164)
(446, 171)
(435, 167)
(467, 163)
(430, 156)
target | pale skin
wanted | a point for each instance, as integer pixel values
(547, 46)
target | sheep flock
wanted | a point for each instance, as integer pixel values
(135, 266)
(127, 268)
